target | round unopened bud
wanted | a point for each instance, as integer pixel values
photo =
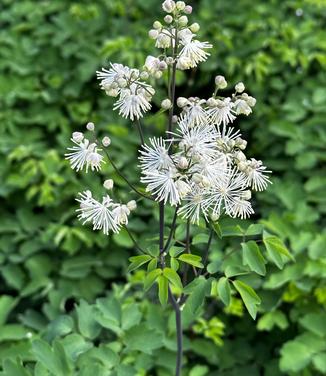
(168, 6)
(106, 141)
(108, 184)
(197, 178)
(168, 19)
(77, 136)
(211, 102)
(166, 104)
(183, 163)
(163, 66)
(157, 25)
(180, 5)
(205, 182)
(169, 60)
(112, 92)
(188, 9)
(242, 166)
(158, 75)
(174, 119)
(239, 87)
(183, 21)
(214, 217)
(246, 195)
(251, 101)
(122, 83)
(132, 205)
(135, 74)
(90, 126)
(242, 145)
(240, 156)
(153, 34)
(194, 27)
(182, 102)
(144, 75)
(220, 82)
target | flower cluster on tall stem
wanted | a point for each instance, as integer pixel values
(198, 166)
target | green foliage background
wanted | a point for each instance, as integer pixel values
(66, 307)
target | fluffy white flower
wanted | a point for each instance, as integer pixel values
(255, 175)
(120, 214)
(242, 107)
(225, 194)
(108, 77)
(194, 50)
(195, 141)
(222, 113)
(193, 207)
(196, 114)
(156, 156)
(152, 64)
(163, 185)
(98, 213)
(84, 154)
(242, 208)
(134, 102)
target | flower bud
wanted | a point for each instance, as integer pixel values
(194, 27)
(157, 25)
(122, 83)
(108, 184)
(188, 9)
(211, 102)
(153, 34)
(246, 195)
(240, 156)
(90, 126)
(168, 19)
(239, 87)
(220, 82)
(169, 60)
(134, 74)
(163, 41)
(163, 66)
(106, 141)
(158, 75)
(132, 205)
(251, 101)
(183, 163)
(242, 166)
(205, 182)
(182, 102)
(214, 217)
(144, 75)
(197, 178)
(183, 21)
(180, 5)
(77, 137)
(166, 104)
(168, 6)
(174, 119)
(112, 92)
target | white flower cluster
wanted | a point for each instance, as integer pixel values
(84, 153)
(187, 51)
(201, 167)
(134, 94)
(105, 215)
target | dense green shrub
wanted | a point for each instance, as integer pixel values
(56, 278)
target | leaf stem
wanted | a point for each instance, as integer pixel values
(138, 247)
(140, 131)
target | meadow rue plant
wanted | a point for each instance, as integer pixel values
(198, 167)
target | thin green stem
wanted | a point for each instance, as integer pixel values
(124, 178)
(172, 229)
(205, 259)
(138, 247)
(140, 131)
